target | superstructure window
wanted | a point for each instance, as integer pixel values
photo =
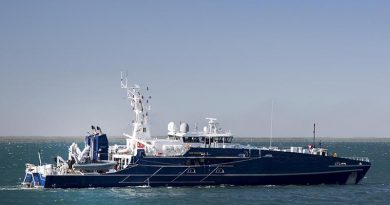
(207, 140)
(224, 139)
(228, 139)
(191, 139)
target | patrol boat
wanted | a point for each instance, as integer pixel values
(184, 158)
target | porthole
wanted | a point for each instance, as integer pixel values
(219, 171)
(191, 171)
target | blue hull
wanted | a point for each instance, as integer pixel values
(73, 181)
(265, 168)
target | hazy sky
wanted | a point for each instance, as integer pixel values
(320, 61)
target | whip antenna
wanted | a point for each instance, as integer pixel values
(271, 127)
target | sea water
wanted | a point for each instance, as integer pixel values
(15, 152)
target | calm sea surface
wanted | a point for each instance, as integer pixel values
(374, 189)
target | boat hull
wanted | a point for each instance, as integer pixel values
(280, 169)
(77, 181)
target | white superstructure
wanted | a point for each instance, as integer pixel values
(211, 136)
(179, 140)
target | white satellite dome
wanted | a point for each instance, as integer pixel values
(171, 127)
(184, 127)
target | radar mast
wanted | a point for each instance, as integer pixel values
(139, 101)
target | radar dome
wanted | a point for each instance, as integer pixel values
(205, 130)
(171, 127)
(184, 127)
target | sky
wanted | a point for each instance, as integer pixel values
(323, 62)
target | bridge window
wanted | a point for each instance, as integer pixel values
(228, 139)
(191, 139)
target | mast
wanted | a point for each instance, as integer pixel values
(314, 135)
(139, 103)
(271, 128)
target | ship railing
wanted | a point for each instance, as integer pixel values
(362, 159)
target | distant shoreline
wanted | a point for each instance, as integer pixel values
(249, 139)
